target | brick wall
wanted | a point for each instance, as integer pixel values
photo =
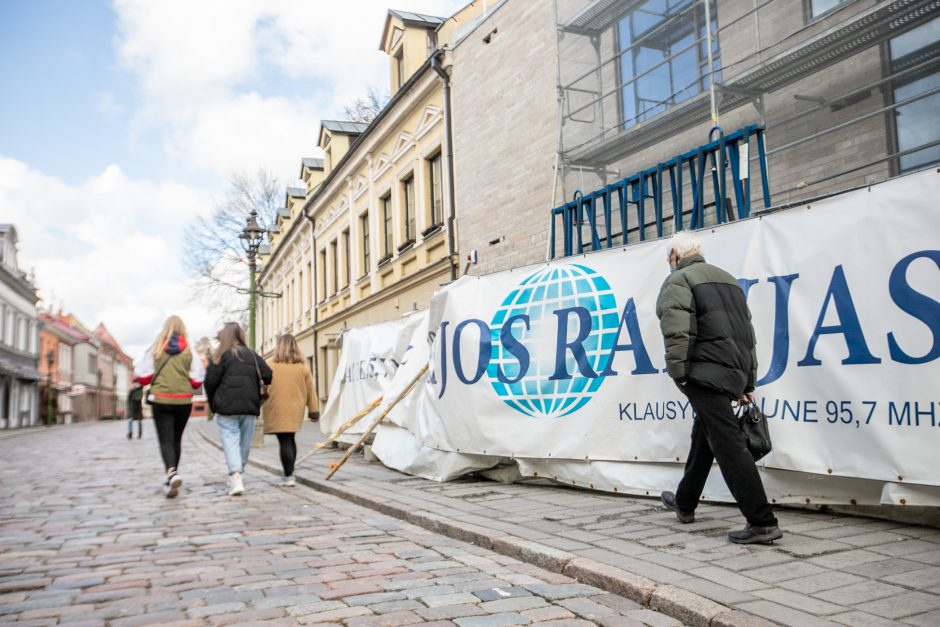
(505, 135)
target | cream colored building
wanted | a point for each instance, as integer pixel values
(375, 229)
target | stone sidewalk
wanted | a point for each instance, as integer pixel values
(829, 569)
(87, 538)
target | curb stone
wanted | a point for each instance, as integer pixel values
(612, 579)
(683, 605)
(688, 607)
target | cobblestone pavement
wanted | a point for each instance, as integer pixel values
(829, 569)
(86, 537)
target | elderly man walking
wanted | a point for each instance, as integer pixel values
(710, 354)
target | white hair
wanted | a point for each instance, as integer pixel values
(685, 244)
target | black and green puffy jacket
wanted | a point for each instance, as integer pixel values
(706, 326)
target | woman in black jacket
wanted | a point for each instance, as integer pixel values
(233, 381)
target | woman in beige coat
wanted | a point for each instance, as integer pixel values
(291, 395)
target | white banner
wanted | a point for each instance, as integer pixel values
(370, 358)
(560, 366)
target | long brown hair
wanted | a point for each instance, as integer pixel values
(230, 337)
(173, 326)
(287, 350)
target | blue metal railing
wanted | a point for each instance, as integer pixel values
(635, 190)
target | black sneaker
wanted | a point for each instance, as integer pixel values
(756, 535)
(669, 500)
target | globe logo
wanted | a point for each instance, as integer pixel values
(539, 295)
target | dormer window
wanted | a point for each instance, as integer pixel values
(399, 58)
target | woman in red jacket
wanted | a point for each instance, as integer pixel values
(174, 375)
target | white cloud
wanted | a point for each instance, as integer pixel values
(108, 249)
(199, 67)
(246, 131)
(206, 76)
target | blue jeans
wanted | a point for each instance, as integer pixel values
(235, 433)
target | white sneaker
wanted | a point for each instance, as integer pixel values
(236, 487)
(289, 482)
(172, 487)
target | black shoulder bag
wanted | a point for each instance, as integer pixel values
(753, 424)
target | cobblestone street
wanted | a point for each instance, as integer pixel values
(87, 538)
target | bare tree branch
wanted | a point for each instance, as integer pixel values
(215, 258)
(365, 109)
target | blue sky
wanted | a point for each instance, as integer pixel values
(120, 121)
(59, 78)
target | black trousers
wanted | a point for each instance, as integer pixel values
(716, 436)
(170, 421)
(288, 452)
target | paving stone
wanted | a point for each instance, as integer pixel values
(802, 602)
(885, 568)
(927, 578)
(331, 616)
(450, 612)
(784, 615)
(516, 604)
(861, 619)
(821, 582)
(391, 619)
(860, 592)
(457, 598)
(927, 619)
(493, 620)
(546, 613)
(561, 591)
(899, 605)
(654, 619)
(494, 594)
(587, 608)
(783, 572)
(395, 606)
(616, 602)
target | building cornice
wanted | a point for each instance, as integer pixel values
(438, 267)
(324, 190)
(19, 284)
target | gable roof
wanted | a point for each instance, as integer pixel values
(410, 19)
(343, 127)
(312, 162)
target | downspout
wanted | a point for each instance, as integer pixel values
(315, 296)
(449, 155)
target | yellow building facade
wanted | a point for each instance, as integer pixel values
(375, 229)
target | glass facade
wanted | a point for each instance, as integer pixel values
(916, 123)
(663, 56)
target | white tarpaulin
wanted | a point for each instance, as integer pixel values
(559, 368)
(369, 359)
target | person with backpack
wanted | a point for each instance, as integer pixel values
(135, 412)
(173, 375)
(291, 397)
(233, 384)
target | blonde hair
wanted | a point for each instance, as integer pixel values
(287, 350)
(173, 326)
(230, 337)
(684, 244)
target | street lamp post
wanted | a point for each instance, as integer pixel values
(251, 237)
(50, 390)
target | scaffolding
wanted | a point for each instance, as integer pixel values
(847, 93)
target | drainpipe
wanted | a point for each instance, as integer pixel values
(449, 144)
(314, 296)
